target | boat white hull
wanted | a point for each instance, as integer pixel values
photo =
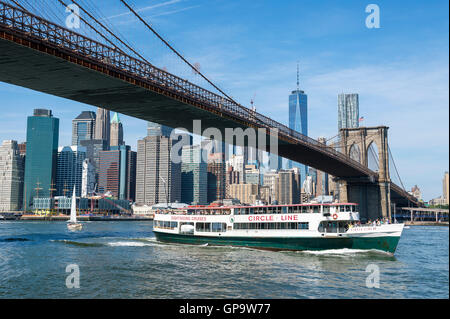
(74, 227)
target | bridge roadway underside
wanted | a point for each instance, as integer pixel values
(39, 71)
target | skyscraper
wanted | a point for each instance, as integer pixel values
(155, 129)
(83, 127)
(102, 125)
(117, 173)
(194, 178)
(298, 119)
(116, 131)
(88, 178)
(109, 172)
(127, 172)
(288, 186)
(69, 170)
(158, 178)
(41, 155)
(11, 177)
(348, 111)
(93, 148)
(216, 177)
(270, 180)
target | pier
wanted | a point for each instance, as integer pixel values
(423, 216)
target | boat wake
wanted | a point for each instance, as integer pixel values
(128, 244)
(344, 252)
(123, 242)
(78, 243)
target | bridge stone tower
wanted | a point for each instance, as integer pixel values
(374, 198)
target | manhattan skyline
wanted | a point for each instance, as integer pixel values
(400, 71)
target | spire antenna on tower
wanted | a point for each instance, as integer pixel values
(298, 77)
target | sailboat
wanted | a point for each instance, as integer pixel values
(72, 223)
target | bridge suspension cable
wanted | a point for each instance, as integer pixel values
(109, 31)
(90, 5)
(395, 167)
(196, 70)
(92, 27)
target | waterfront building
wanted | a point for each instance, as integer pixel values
(216, 177)
(93, 148)
(88, 205)
(102, 125)
(69, 170)
(88, 178)
(445, 186)
(298, 119)
(264, 194)
(158, 177)
(415, 191)
(117, 173)
(127, 172)
(252, 175)
(245, 193)
(270, 180)
(11, 177)
(348, 111)
(288, 186)
(109, 172)
(83, 127)
(41, 155)
(439, 201)
(193, 176)
(116, 133)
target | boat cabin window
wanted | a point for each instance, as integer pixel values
(211, 227)
(345, 208)
(333, 227)
(326, 209)
(166, 224)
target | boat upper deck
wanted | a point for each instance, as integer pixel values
(265, 209)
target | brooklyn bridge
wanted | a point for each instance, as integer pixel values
(42, 55)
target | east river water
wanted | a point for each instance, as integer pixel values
(123, 260)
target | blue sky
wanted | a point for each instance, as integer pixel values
(251, 48)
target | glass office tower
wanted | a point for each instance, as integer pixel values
(298, 121)
(41, 155)
(83, 127)
(348, 111)
(194, 176)
(69, 170)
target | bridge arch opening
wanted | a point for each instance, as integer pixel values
(373, 161)
(355, 152)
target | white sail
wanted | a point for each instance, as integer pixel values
(73, 208)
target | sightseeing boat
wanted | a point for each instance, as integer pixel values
(312, 226)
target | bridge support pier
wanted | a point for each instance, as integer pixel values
(373, 197)
(367, 195)
(385, 199)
